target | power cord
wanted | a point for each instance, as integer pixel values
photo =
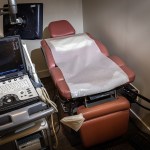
(54, 132)
(45, 97)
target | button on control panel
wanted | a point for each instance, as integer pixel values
(17, 89)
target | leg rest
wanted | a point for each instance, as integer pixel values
(104, 122)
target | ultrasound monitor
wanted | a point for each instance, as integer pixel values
(11, 60)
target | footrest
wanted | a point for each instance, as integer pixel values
(104, 122)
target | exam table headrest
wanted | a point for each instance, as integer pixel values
(60, 28)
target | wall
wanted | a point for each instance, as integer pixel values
(124, 27)
(53, 10)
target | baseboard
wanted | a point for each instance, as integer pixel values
(43, 73)
(139, 122)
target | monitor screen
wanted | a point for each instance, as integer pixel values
(10, 56)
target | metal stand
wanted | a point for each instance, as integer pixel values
(32, 136)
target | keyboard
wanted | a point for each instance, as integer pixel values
(16, 92)
(21, 87)
(13, 85)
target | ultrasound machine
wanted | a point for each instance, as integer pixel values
(20, 104)
(16, 88)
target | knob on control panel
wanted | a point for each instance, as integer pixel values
(8, 99)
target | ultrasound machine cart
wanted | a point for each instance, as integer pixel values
(23, 115)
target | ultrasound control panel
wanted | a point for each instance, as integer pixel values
(16, 90)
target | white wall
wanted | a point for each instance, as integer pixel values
(124, 27)
(70, 10)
